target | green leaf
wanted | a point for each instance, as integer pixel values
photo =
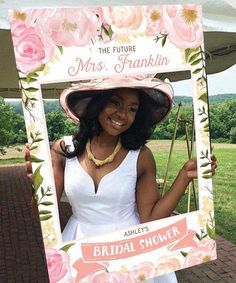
(46, 203)
(205, 164)
(49, 194)
(28, 79)
(108, 31)
(189, 52)
(206, 130)
(203, 119)
(201, 79)
(42, 190)
(203, 97)
(37, 177)
(207, 171)
(38, 140)
(204, 236)
(35, 75)
(211, 232)
(206, 126)
(31, 89)
(26, 102)
(46, 217)
(33, 147)
(66, 247)
(207, 153)
(198, 236)
(45, 212)
(207, 176)
(194, 57)
(196, 62)
(197, 71)
(40, 68)
(163, 42)
(184, 254)
(35, 159)
(60, 49)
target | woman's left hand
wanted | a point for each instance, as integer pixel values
(190, 167)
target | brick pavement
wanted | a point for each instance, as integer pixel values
(21, 248)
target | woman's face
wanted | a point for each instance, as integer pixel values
(120, 111)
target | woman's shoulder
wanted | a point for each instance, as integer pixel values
(146, 160)
(57, 152)
(56, 145)
(146, 152)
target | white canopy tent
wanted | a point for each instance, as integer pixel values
(219, 21)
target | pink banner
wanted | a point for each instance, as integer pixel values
(174, 236)
(86, 268)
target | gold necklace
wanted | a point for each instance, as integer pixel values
(99, 162)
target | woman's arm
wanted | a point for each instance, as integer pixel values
(58, 166)
(149, 202)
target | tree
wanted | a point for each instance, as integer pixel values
(233, 135)
(59, 125)
(12, 129)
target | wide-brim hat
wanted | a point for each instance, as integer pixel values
(75, 99)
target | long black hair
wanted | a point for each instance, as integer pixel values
(132, 139)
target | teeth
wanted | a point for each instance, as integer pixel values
(117, 123)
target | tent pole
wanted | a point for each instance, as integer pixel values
(171, 148)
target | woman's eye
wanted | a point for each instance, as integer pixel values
(115, 102)
(133, 109)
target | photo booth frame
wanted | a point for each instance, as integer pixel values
(85, 45)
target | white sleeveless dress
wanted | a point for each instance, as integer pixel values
(111, 208)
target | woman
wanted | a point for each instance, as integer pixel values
(107, 172)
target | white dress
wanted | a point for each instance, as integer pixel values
(110, 209)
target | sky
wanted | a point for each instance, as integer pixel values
(220, 83)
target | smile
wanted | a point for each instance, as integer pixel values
(117, 123)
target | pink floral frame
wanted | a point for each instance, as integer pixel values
(64, 45)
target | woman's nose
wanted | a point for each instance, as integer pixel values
(121, 112)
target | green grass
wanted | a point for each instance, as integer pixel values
(13, 160)
(224, 182)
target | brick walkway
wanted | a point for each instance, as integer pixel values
(21, 247)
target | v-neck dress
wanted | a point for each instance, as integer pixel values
(112, 207)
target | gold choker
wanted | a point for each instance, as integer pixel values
(109, 159)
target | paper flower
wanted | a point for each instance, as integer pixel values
(58, 263)
(66, 26)
(204, 252)
(125, 21)
(142, 271)
(155, 24)
(31, 51)
(111, 277)
(167, 264)
(183, 25)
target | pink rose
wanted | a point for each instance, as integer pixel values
(183, 24)
(205, 252)
(142, 271)
(167, 264)
(29, 47)
(125, 21)
(102, 277)
(155, 24)
(69, 27)
(58, 263)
